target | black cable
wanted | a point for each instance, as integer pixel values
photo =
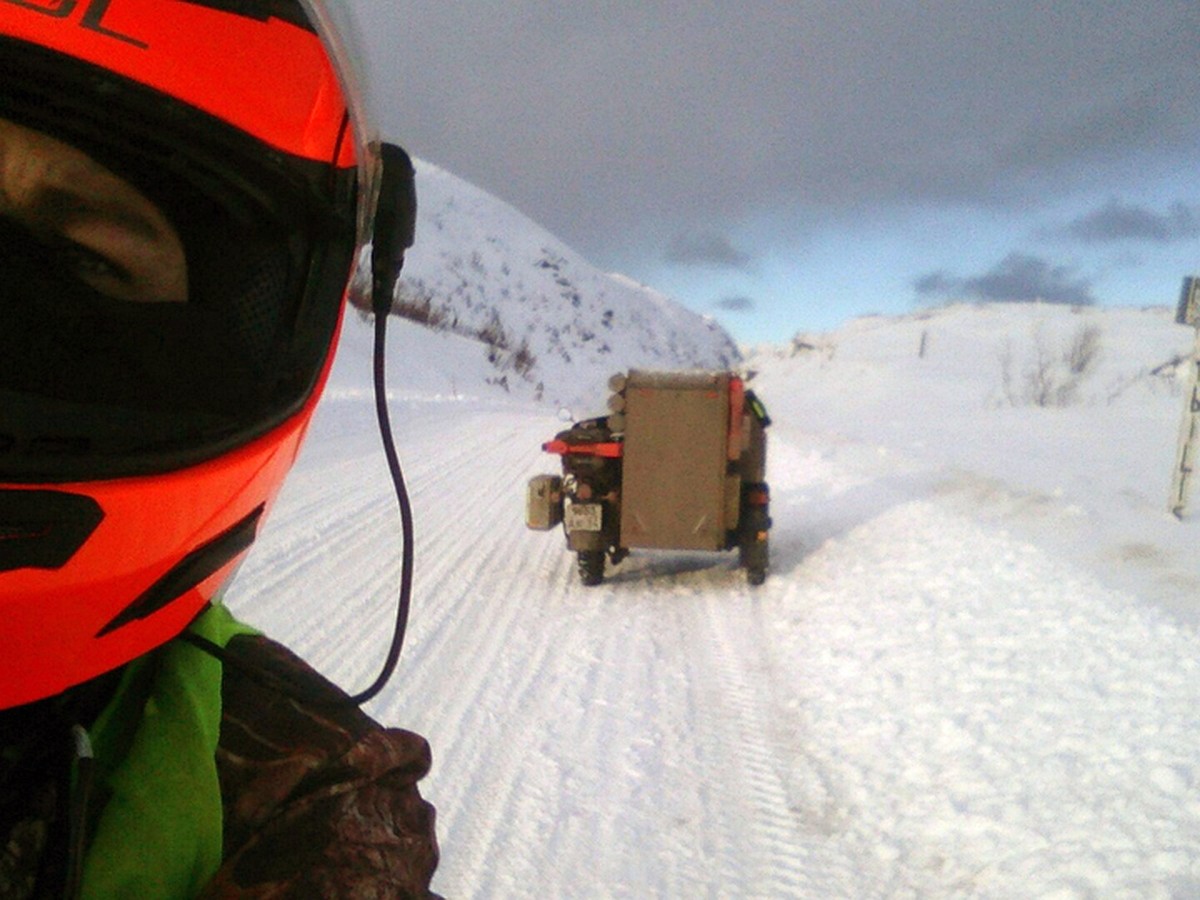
(404, 600)
(393, 229)
(255, 673)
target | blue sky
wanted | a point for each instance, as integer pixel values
(1101, 247)
(785, 166)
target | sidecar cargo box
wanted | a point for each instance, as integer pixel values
(675, 492)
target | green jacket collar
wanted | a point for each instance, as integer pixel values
(160, 834)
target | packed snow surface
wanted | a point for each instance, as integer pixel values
(972, 671)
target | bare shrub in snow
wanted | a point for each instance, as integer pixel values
(523, 359)
(415, 300)
(1167, 377)
(803, 344)
(500, 352)
(1051, 378)
(1084, 350)
(492, 333)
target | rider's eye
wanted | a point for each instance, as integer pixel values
(96, 225)
(93, 268)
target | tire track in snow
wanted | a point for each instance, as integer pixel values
(310, 557)
(550, 661)
(774, 825)
(313, 544)
(476, 614)
(748, 766)
(465, 574)
(460, 557)
(562, 688)
(504, 643)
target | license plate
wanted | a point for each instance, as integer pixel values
(583, 516)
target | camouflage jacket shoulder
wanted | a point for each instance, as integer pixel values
(319, 800)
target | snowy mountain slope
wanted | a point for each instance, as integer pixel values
(479, 267)
(958, 680)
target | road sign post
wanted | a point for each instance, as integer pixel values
(1188, 313)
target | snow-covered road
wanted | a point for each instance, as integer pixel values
(924, 699)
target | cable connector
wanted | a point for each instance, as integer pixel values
(395, 224)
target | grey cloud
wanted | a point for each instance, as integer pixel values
(1116, 221)
(706, 249)
(935, 284)
(1096, 131)
(1017, 278)
(598, 120)
(736, 304)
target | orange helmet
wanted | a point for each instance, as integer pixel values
(142, 439)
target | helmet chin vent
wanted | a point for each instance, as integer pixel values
(44, 529)
(191, 570)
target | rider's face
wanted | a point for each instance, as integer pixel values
(99, 225)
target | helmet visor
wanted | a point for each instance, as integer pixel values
(169, 287)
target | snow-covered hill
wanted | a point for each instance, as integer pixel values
(972, 672)
(548, 319)
(1074, 411)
